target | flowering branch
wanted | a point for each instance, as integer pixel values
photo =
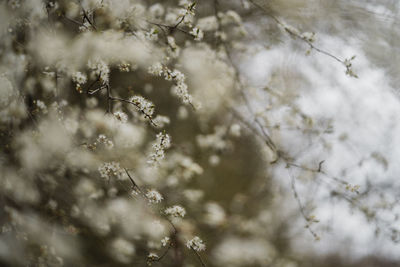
(137, 105)
(308, 39)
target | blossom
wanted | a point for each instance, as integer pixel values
(154, 196)
(152, 35)
(175, 211)
(143, 105)
(173, 49)
(121, 116)
(308, 36)
(197, 34)
(165, 241)
(196, 244)
(162, 143)
(156, 69)
(180, 89)
(79, 77)
(152, 257)
(41, 106)
(125, 67)
(111, 169)
(102, 139)
(100, 69)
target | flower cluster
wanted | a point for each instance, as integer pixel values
(197, 34)
(165, 241)
(173, 49)
(196, 244)
(124, 67)
(41, 106)
(152, 35)
(111, 169)
(175, 211)
(79, 78)
(154, 196)
(163, 142)
(143, 105)
(151, 258)
(100, 69)
(156, 69)
(102, 139)
(180, 89)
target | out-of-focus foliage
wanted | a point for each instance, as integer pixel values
(139, 133)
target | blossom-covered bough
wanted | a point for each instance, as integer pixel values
(132, 135)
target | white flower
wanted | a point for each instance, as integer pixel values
(111, 169)
(180, 89)
(175, 211)
(308, 36)
(100, 69)
(102, 139)
(143, 105)
(79, 77)
(152, 35)
(156, 69)
(197, 34)
(162, 143)
(41, 105)
(196, 244)
(165, 241)
(152, 257)
(173, 49)
(121, 116)
(125, 67)
(154, 196)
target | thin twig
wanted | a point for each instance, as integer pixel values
(301, 207)
(199, 257)
(295, 34)
(134, 185)
(268, 139)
